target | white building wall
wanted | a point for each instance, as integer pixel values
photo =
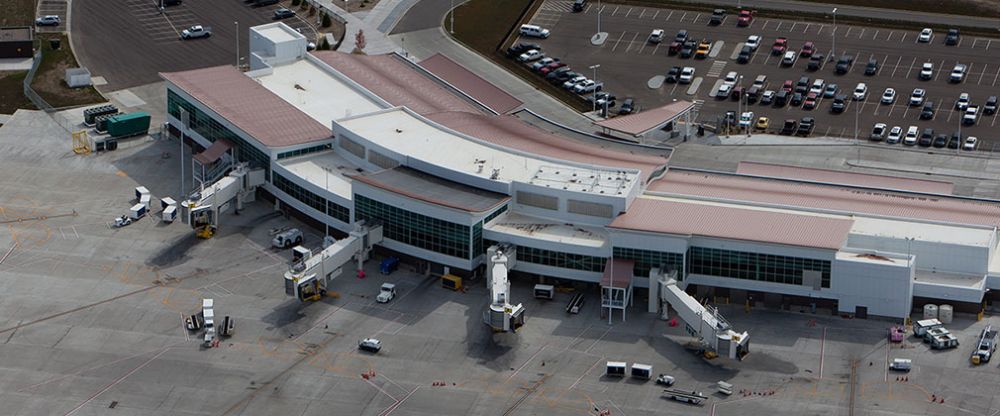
(930, 255)
(521, 240)
(949, 292)
(648, 241)
(886, 289)
(617, 203)
(271, 52)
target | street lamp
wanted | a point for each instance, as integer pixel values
(594, 67)
(452, 17)
(598, 16)
(833, 35)
(237, 44)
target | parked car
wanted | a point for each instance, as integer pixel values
(534, 31)
(753, 41)
(808, 49)
(561, 77)
(762, 123)
(703, 49)
(682, 36)
(570, 83)
(861, 91)
(970, 143)
(687, 75)
(815, 62)
(48, 20)
(958, 73)
(889, 96)
(551, 67)
(718, 15)
(802, 86)
(806, 126)
(724, 91)
(895, 135)
(283, 13)
(781, 98)
(839, 104)
(587, 86)
(780, 44)
(196, 31)
(812, 99)
(656, 36)
(746, 119)
(371, 345)
(514, 51)
(578, 5)
(927, 112)
(542, 62)
(788, 85)
(917, 97)
(991, 105)
(878, 132)
(941, 140)
(789, 58)
(927, 71)
(767, 98)
(963, 101)
(731, 78)
(925, 35)
(673, 74)
(789, 126)
(872, 67)
(744, 19)
(952, 38)
(817, 86)
(844, 64)
(926, 138)
(688, 49)
(628, 106)
(531, 55)
(745, 53)
(971, 115)
(910, 138)
(955, 141)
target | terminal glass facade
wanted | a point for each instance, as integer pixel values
(647, 259)
(212, 130)
(341, 213)
(557, 258)
(415, 229)
(755, 266)
(304, 151)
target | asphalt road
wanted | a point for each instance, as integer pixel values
(424, 15)
(627, 62)
(129, 43)
(861, 12)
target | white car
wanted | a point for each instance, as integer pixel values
(570, 83)
(656, 36)
(542, 62)
(911, 136)
(925, 35)
(958, 73)
(48, 20)
(861, 91)
(730, 78)
(724, 91)
(818, 86)
(889, 96)
(895, 135)
(371, 345)
(971, 115)
(789, 58)
(917, 97)
(746, 119)
(970, 143)
(963, 101)
(753, 41)
(386, 293)
(531, 55)
(687, 75)
(587, 86)
(927, 71)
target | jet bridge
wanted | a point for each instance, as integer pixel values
(501, 315)
(703, 321)
(202, 210)
(310, 275)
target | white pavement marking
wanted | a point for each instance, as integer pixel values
(615, 11)
(693, 89)
(631, 42)
(696, 18)
(765, 24)
(848, 32)
(642, 13)
(938, 110)
(683, 16)
(655, 49)
(889, 38)
(903, 39)
(988, 43)
(940, 69)
(862, 33)
(807, 27)
(911, 67)
(616, 42)
(793, 26)
(119, 380)
(821, 27)
(974, 43)
(779, 26)
(895, 67)
(885, 59)
(822, 344)
(995, 77)
(628, 12)
(875, 37)
(669, 14)
(656, 14)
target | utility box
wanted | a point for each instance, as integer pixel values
(78, 77)
(642, 371)
(450, 281)
(616, 369)
(169, 214)
(921, 327)
(137, 211)
(545, 292)
(130, 124)
(90, 114)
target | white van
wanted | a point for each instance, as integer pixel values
(901, 364)
(534, 31)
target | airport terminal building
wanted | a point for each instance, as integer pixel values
(430, 151)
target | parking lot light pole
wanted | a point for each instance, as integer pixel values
(833, 35)
(237, 23)
(598, 16)
(739, 104)
(594, 67)
(452, 31)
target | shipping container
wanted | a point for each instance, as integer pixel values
(130, 124)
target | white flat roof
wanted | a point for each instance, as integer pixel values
(277, 32)
(546, 230)
(948, 279)
(405, 133)
(316, 92)
(920, 231)
(312, 167)
(871, 257)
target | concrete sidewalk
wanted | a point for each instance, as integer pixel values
(375, 23)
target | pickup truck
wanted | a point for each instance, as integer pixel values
(196, 31)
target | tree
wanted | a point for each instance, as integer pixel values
(296, 2)
(359, 42)
(324, 45)
(312, 10)
(326, 20)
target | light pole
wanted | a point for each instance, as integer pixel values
(598, 16)
(237, 44)
(833, 35)
(857, 115)
(594, 67)
(452, 17)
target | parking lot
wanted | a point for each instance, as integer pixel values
(146, 42)
(629, 63)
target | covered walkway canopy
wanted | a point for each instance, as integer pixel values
(640, 123)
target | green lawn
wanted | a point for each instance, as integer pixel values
(11, 95)
(49, 83)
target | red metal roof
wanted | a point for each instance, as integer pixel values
(495, 98)
(681, 218)
(835, 198)
(249, 106)
(845, 178)
(643, 121)
(621, 270)
(214, 152)
(510, 132)
(396, 81)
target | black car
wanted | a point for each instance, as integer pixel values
(806, 126)
(688, 49)
(927, 112)
(262, 3)
(562, 77)
(815, 62)
(789, 127)
(514, 51)
(991, 105)
(872, 67)
(797, 99)
(555, 72)
(628, 106)
(955, 141)
(926, 138)
(844, 64)
(803, 85)
(744, 55)
(673, 74)
(781, 98)
(578, 5)
(839, 104)
(717, 17)
(283, 13)
(682, 36)
(952, 37)
(941, 140)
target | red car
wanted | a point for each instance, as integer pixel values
(744, 18)
(810, 102)
(675, 47)
(789, 85)
(780, 44)
(550, 67)
(808, 49)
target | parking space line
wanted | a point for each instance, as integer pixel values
(938, 110)
(911, 68)
(631, 42)
(670, 14)
(793, 26)
(848, 32)
(889, 38)
(655, 49)
(628, 12)
(617, 41)
(821, 26)
(969, 69)
(995, 77)
(641, 47)
(994, 122)
(641, 13)
(807, 27)
(779, 26)
(616, 10)
(959, 43)
(981, 74)
(765, 24)
(875, 37)
(683, 16)
(988, 43)
(940, 69)
(656, 14)
(974, 43)
(862, 33)
(885, 60)
(906, 110)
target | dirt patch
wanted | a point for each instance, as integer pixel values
(17, 12)
(49, 80)
(11, 92)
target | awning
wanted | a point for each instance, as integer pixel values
(621, 270)
(214, 152)
(639, 123)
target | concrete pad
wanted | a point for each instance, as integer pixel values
(693, 89)
(716, 48)
(15, 64)
(599, 38)
(126, 99)
(98, 81)
(655, 82)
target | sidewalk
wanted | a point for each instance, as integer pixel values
(375, 24)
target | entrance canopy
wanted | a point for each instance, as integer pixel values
(643, 122)
(214, 152)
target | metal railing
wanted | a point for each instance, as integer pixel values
(36, 99)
